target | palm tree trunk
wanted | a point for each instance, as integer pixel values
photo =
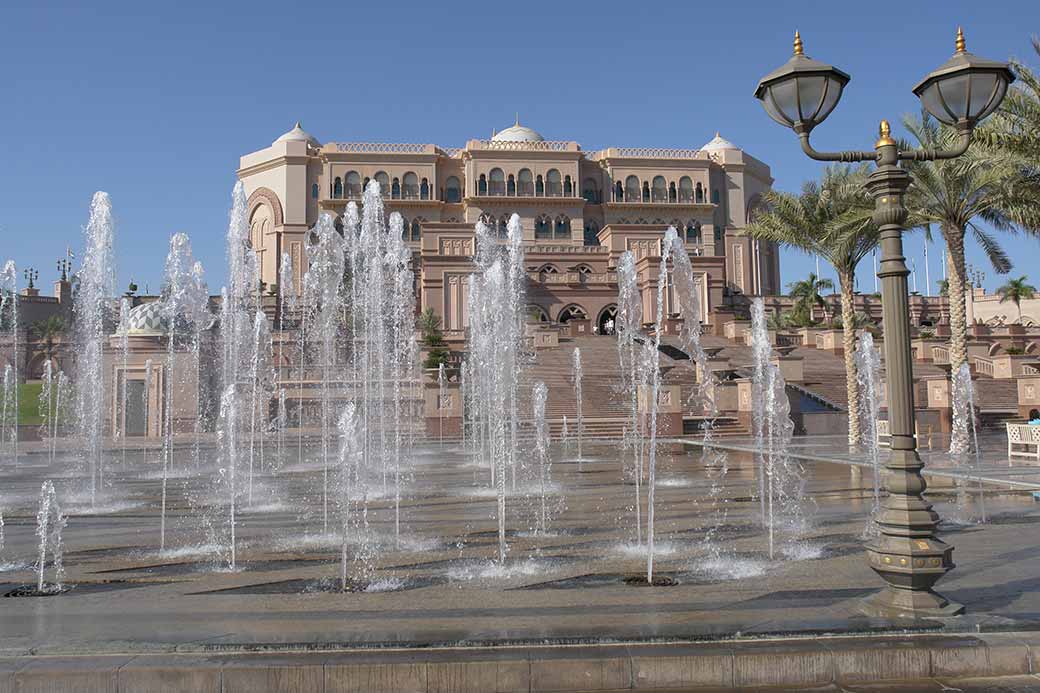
(848, 344)
(956, 277)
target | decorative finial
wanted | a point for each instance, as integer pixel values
(797, 43)
(298, 126)
(718, 134)
(517, 121)
(960, 41)
(885, 132)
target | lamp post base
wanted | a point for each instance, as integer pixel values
(892, 602)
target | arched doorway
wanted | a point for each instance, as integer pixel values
(572, 312)
(607, 315)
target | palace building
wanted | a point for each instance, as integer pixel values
(579, 209)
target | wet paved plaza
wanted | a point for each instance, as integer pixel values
(440, 583)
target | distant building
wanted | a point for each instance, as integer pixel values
(580, 210)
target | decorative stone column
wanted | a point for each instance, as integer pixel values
(907, 554)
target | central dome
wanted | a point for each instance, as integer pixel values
(517, 133)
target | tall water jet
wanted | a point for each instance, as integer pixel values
(50, 521)
(62, 395)
(576, 375)
(286, 291)
(539, 394)
(464, 390)
(92, 306)
(688, 304)
(442, 385)
(627, 329)
(146, 400)
(9, 411)
(228, 438)
(868, 374)
(261, 382)
(964, 440)
(9, 323)
(282, 421)
(351, 499)
(652, 361)
(783, 475)
(495, 320)
(202, 321)
(183, 307)
(323, 297)
(124, 349)
(45, 402)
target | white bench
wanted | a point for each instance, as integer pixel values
(884, 435)
(1023, 440)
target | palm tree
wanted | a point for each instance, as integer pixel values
(1015, 290)
(46, 332)
(957, 195)
(830, 218)
(807, 292)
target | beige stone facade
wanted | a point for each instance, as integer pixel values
(579, 210)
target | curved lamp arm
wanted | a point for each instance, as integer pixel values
(847, 157)
(963, 140)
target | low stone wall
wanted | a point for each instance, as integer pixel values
(746, 664)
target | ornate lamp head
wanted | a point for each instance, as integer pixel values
(802, 92)
(964, 89)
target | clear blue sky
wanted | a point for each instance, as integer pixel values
(155, 102)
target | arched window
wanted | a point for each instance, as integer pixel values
(548, 268)
(583, 269)
(314, 191)
(424, 190)
(482, 187)
(405, 233)
(672, 194)
(353, 186)
(417, 228)
(543, 228)
(410, 186)
(591, 232)
(536, 313)
(552, 183)
(660, 190)
(503, 227)
(511, 186)
(571, 312)
(715, 196)
(384, 183)
(646, 191)
(488, 220)
(562, 227)
(498, 182)
(590, 191)
(452, 190)
(525, 183)
(619, 192)
(700, 193)
(685, 189)
(337, 188)
(631, 189)
(395, 189)
(539, 186)
(568, 187)
(693, 232)
(607, 315)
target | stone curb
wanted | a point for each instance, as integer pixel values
(608, 667)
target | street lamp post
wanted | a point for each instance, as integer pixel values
(964, 90)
